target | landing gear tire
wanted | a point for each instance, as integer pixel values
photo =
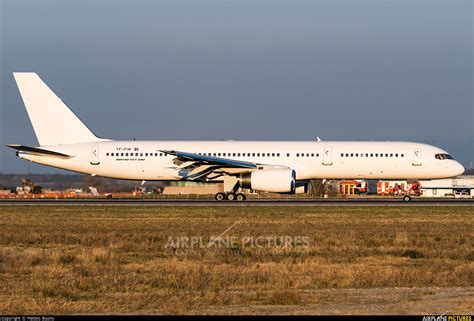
(220, 196)
(240, 197)
(230, 197)
(407, 198)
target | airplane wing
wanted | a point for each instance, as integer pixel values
(193, 166)
(211, 160)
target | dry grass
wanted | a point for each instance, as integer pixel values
(114, 259)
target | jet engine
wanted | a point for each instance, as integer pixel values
(270, 180)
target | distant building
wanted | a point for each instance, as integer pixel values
(458, 187)
(190, 188)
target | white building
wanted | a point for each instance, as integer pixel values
(458, 187)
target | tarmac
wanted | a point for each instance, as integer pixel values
(248, 202)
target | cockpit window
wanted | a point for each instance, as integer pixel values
(443, 156)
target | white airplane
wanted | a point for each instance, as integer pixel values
(271, 166)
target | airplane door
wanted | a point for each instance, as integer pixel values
(95, 155)
(416, 157)
(327, 155)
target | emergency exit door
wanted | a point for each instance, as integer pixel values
(95, 155)
(327, 155)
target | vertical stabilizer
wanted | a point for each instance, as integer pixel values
(53, 122)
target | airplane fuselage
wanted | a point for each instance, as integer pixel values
(144, 160)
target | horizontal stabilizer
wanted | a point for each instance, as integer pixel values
(38, 151)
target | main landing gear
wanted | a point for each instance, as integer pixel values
(230, 197)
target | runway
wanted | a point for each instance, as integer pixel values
(249, 202)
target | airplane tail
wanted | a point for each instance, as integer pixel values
(53, 122)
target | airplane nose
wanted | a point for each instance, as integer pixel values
(458, 169)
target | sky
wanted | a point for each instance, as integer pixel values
(245, 70)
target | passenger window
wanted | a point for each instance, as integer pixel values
(287, 154)
(278, 154)
(297, 155)
(342, 155)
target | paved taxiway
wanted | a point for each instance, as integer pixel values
(250, 202)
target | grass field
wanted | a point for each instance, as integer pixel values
(61, 260)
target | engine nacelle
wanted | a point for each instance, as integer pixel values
(270, 180)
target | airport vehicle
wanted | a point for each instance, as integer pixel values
(271, 166)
